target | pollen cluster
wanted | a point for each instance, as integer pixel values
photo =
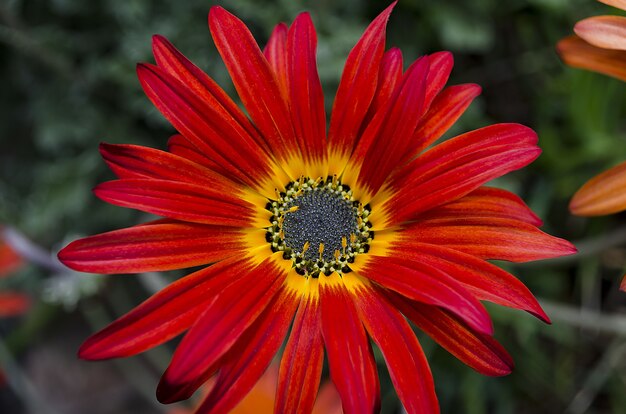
(319, 225)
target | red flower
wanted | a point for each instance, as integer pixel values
(352, 231)
(11, 303)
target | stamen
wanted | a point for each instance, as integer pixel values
(320, 212)
(305, 247)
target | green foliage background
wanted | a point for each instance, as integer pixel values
(67, 72)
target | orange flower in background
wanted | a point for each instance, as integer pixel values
(599, 44)
(11, 303)
(262, 397)
(342, 234)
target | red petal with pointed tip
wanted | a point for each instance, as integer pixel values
(350, 358)
(425, 283)
(224, 319)
(445, 110)
(181, 146)
(246, 362)
(164, 315)
(177, 200)
(299, 377)
(254, 80)
(13, 304)
(456, 167)
(487, 202)
(480, 352)
(276, 54)
(177, 65)
(210, 130)
(156, 246)
(135, 161)
(305, 90)
(384, 144)
(482, 279)
(489, 238)
(441, 64)
(358, 85)
(403, 354)
(389, 79)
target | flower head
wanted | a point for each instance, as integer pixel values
(341, 234)
(599, 44)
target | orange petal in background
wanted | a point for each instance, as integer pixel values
(603, 194)
(620, 4)
(607, 32)
(575, 52)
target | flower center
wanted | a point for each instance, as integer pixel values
(319, 226)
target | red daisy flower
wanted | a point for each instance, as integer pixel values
(353, 230)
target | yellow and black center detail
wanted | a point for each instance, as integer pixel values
(319, 225)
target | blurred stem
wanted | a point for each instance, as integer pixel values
(31, 251)
(614, 353)
(20, 384)
(585, 319)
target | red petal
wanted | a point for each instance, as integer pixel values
(305, 90)
(13, 304)
(357, 85)
(480, 352)
(489, 238)
(424, 283)
(350, 357)
(181, 146)
(177, 65)
(403, 354)
(276, 54)
(225, 318)
(164, 315)
(208, 127)
(10, 261)
(482, 279)
(254, 80)
(384, 144)
(389, 79)
(299, 376)
(177, 200)
(155, 246)
(134, 161)
(251, 355)
(487, 202)
(441, 64)
(454, 168)
(445, 110)
(622, 285)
